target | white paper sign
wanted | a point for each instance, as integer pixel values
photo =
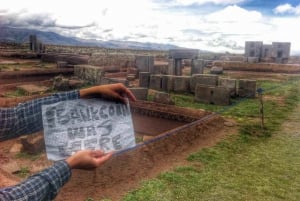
(70, 126)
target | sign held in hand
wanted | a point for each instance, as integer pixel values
(70, 126)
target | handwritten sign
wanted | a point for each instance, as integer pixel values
(70, 126)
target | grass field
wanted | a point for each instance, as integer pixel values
(254, 164)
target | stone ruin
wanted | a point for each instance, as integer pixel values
(35, 45)
(277, 52)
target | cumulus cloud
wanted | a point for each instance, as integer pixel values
(287, 9)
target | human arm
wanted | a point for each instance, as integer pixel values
(46, 184)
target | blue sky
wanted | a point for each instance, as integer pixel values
(215, 25)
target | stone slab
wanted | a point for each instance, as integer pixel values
(31, 89)
(163, 98)
(230, 84)
(144, 79)
(220, 96)
(203, 93)
(144, 63)
(203, 79)
(183, 53)
(247, 88)
(197, 66)
(182, 84)
(167, 83)
(89, 73)
(155, 82)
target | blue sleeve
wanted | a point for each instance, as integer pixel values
(42, 186)
(26, 118)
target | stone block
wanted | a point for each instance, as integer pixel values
(230, 84)
(220, 96)
(163, 98)
(31, 89)
(216, 70)
(167, 83)
(197, 66)
(212, 95)
(91, 74)
(182, 84)
(253, 59)
(144, 63)
(203, 93)
(140, 93)
(62, 64)
(210, 80)
(171, 67)
(155, 82)
(144, 79)
(183, 53)
(247, 88)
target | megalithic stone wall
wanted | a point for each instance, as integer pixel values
(230, 84)
(139, 92)
(210, 80)
(92, 74)
(182, 84)
(167, 83)
(155, 82)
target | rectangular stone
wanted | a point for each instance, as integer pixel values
(220, 96)
(155, 82)
(182, 84)
(140, 93)
(144, 79)
(171, 67)
(247, 88)
(197, 66)
(230, 84)
(167, 83)
(144, 63)
(211, 80)
(183, 53)
(203, 93)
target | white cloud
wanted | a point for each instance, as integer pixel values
(201, 2)
(287, 9)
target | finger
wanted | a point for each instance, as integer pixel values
(130, 95)
(101, 160)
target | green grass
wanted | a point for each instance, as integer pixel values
(255, 164)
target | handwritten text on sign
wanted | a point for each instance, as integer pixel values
(70, 126)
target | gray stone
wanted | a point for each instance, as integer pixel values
(167, 83)
(144, 79)
(171, 67)
(247, 88)
(155, 82)
(31, 89)
(197, 66)
(144, 63)
(203, 93)
(164, 98)
(182, 84)
(252, 59)
(183, 53)
(92, 74)
(216, 70)
(140, 93)
(178, 67)
(230, 84)
(220, 96)
(211, 80)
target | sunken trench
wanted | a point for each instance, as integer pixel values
(163, 132)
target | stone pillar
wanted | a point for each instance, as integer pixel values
(144, 79)
(171, 68)
(178, 67)
(155, 82)
(33, 43)
(167, 83)
(197, 66)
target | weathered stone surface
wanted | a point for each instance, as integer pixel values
(140, 93)
(178, 67)
(61, 83)
(155, 82)
(197, 66)
(203, 93)
(10, 167)
(247, 88)
(183, 53)
(211, 80)
(91, 74)
(164, 98)
(144, 63)
(230, 84)
(216, 70)
(220, 96)
(33, 144)
(171, 67)
(31, 89)
(144, 79)
(182, 84)
(212, 95)
(167, 83)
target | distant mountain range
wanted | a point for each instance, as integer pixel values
(19, 35)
